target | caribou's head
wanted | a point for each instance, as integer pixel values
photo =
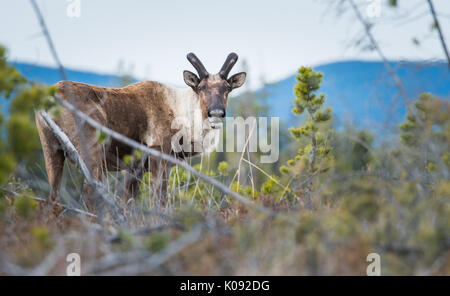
(213, 89)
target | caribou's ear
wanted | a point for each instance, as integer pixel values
(191, 79)
(237, 80)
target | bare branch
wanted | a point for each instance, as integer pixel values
(146, 231)
(72, 153)
(50, 43)
(374, 44)
(156, 260)
(78, 211)
(63, 75)
(49, 262)
(438, 27)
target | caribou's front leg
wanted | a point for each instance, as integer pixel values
(160, 174)
(53, 156)
(133, 177)
(89, 194)
(132, 183)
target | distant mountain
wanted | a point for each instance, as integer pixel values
(359, 92)
(49, 75)
(364, 93)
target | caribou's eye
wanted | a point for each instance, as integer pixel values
(200, 88)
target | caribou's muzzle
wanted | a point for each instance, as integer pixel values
(216, 113)
(215, 117)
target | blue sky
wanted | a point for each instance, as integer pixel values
(152, 38)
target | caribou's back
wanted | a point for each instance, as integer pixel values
(135, 111)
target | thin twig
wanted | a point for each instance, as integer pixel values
(50, 43)
(146, 230)
(72, 153)
(79, 211)
(441, 35)
(145, 266)
(374, 43)
(62, 72)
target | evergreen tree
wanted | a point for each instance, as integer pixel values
(425, 138)
(314, 154)
(18, 133)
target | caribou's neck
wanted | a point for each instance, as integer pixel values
(187, 110)
(184, 103)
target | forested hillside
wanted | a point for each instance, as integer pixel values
(360, 93)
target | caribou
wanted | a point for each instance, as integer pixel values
(148, 112)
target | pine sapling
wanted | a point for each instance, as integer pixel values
(314, 154)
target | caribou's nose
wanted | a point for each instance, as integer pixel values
(216, 113)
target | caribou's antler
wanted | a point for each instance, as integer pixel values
(197, 65)
(229, 63)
